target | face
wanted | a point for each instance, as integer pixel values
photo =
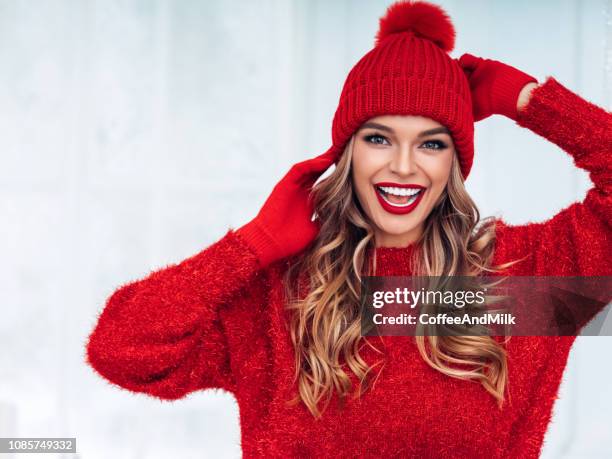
(400, 167)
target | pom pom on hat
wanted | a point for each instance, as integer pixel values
(424, 19)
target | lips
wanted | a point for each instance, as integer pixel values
(398, 198)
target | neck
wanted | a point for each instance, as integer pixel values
(383, 239)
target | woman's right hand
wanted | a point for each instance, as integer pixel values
(284, 226)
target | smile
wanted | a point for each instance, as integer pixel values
(399, 199)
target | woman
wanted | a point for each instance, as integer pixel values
(269, 312)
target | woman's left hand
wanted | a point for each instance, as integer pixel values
(495, 86)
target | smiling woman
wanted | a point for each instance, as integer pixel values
(403, 171)
(271, 312)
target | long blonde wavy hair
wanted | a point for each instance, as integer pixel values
(325, 324)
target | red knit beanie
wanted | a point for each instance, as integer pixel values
(409, 72)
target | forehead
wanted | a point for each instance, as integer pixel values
(400, 122)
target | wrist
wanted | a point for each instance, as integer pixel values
(525, 95)
(259, 241)
(509, 86)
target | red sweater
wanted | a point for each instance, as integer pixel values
(216, 320)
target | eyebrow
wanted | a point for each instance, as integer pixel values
(382, 127)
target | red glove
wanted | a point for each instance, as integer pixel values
(284, 226)
(495, 86)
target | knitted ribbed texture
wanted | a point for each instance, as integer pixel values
(260, 241)
(218, 321)
(407, 75)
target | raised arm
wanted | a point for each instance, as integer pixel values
(578, 239)
(161, 335)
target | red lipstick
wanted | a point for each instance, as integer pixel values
(398, 209)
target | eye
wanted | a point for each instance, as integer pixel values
(376, 139)
(438, 144)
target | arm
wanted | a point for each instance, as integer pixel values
(161, 335)
(577, 240)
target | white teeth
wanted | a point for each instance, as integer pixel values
(400, 191)
(410, 201)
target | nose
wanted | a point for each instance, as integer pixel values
(403, 161)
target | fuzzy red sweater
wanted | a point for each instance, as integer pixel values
(216, 320)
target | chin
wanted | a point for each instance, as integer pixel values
(397, 228)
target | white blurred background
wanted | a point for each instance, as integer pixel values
(134, 133)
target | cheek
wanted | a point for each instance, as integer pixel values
(364, 164)
(438, 168)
